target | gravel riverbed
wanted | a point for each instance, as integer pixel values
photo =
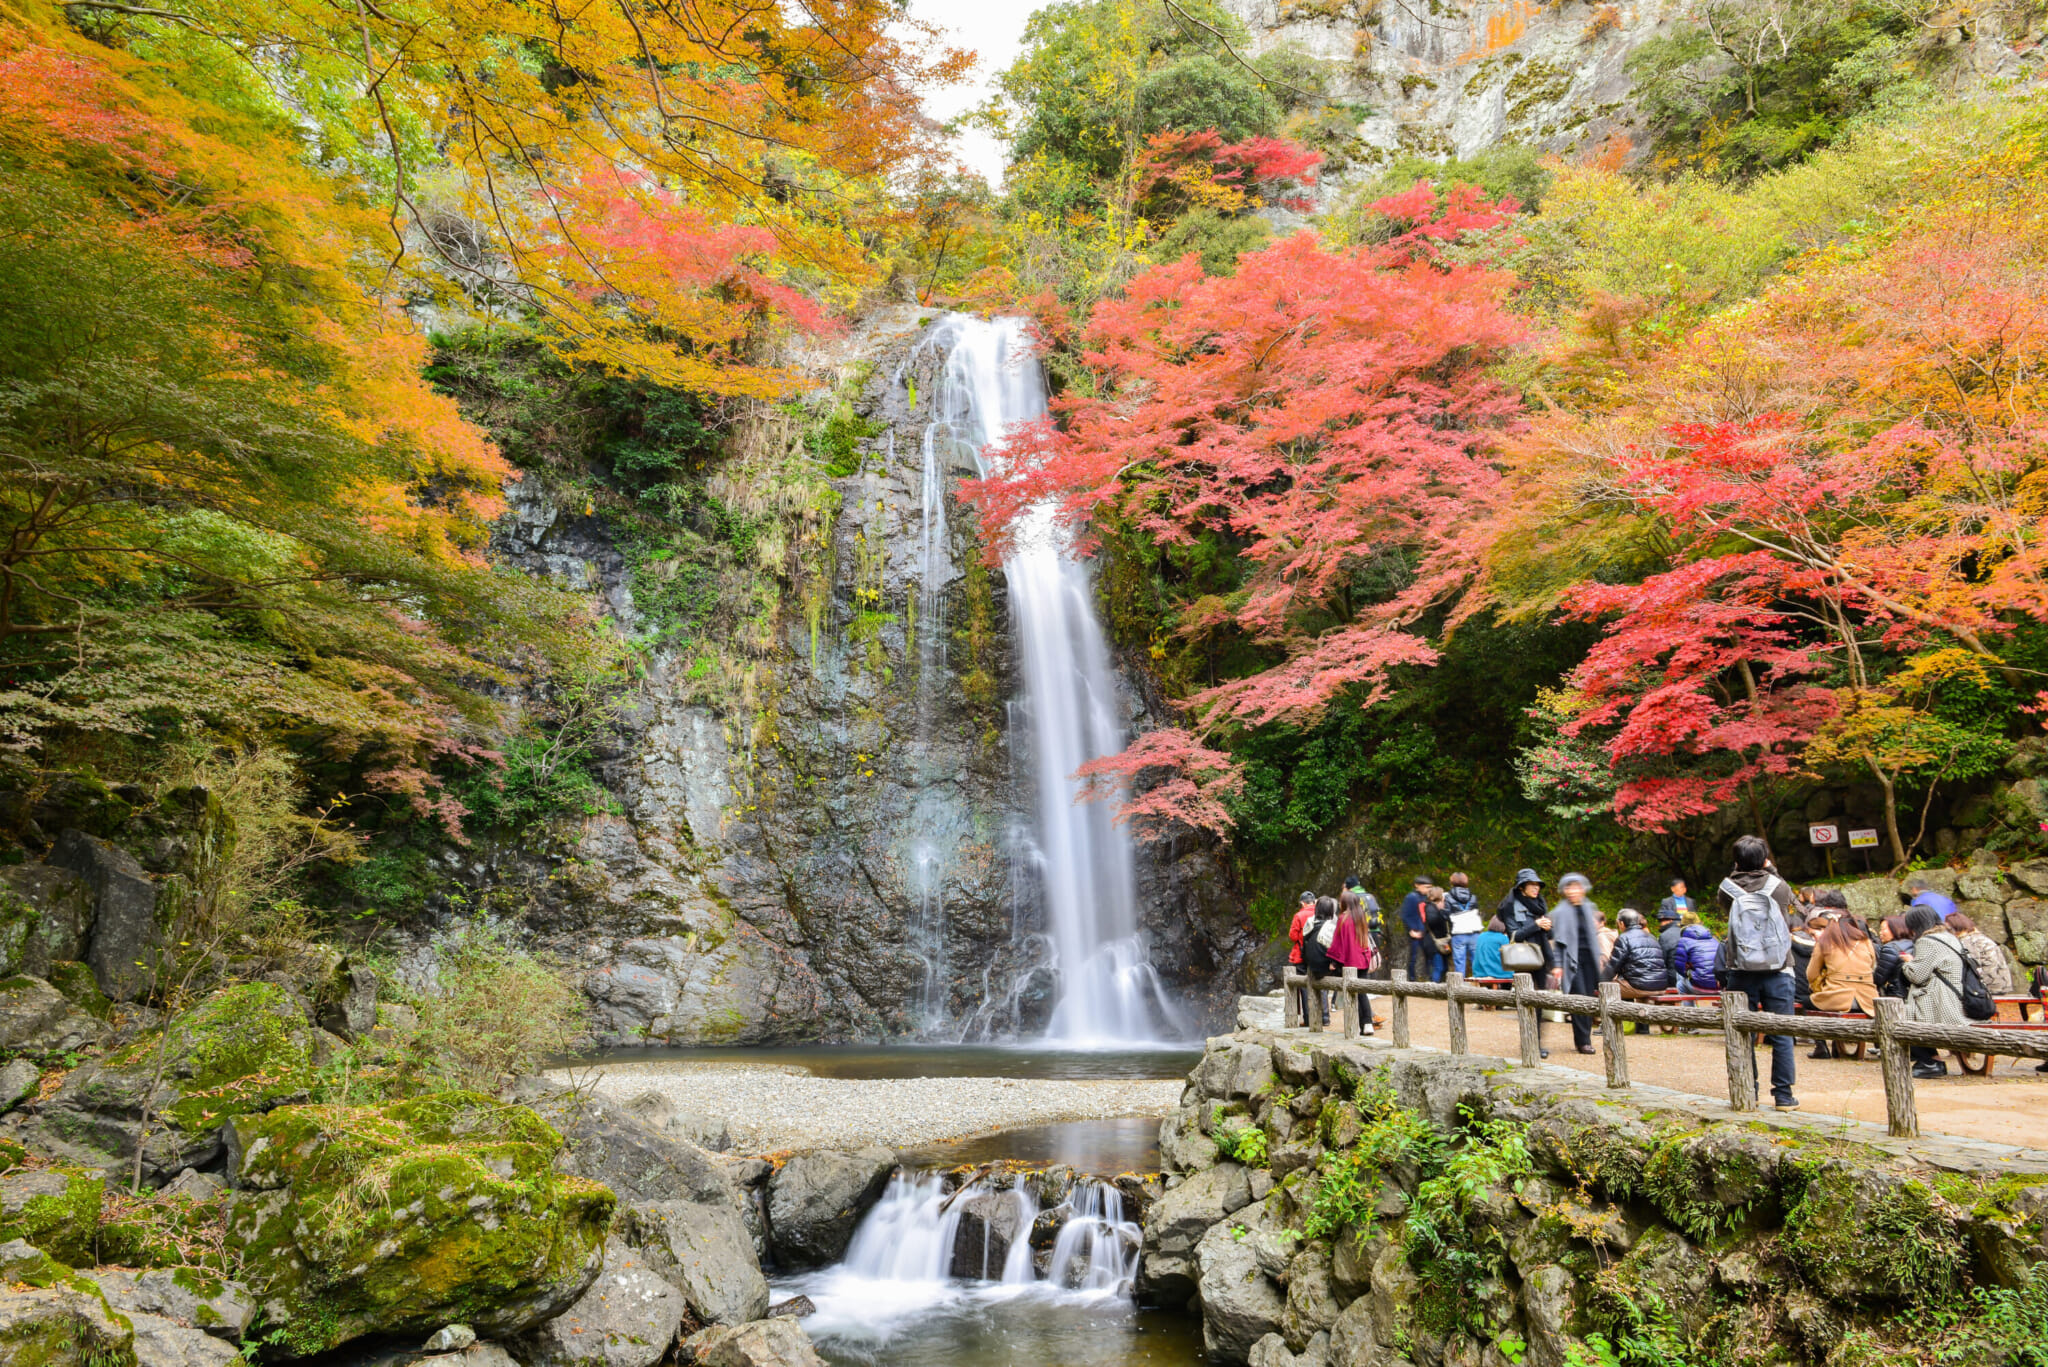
(767, 1109)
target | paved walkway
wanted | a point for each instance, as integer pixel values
(2009, 1107)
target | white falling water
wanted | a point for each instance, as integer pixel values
(908, 1262)
(1109, 993)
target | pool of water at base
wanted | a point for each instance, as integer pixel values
(871, 1322)
(1105, 1147)
(928, 1060)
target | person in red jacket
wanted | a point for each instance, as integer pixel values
(1294, 933)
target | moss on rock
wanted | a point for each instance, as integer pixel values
(243, 1049)
(78, 986)
(1860, 1234)
(57, 1210)
(404, 1217)
(65, 1325)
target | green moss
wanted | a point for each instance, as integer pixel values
(160, 1230)
(12, 1155)
(1859, 1234)
(404, 1217)
(243, 1049)
(61, 1224)
(75, 981)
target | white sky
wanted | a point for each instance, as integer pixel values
(994, 29)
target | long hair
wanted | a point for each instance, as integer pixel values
(1842, 932)
(1352, 906)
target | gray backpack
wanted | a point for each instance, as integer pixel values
(1759, 940)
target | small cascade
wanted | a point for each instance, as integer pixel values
(1097, 1248)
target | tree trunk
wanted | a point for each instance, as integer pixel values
(1891, 815)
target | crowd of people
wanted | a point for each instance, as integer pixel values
(1784, 949)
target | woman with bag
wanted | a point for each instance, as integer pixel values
(1316, 942)
(1351, 945)
(1526, 920)
(1934, 983)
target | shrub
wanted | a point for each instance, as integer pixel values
(498, 1010)
(1202, 93)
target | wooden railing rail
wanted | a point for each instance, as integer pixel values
(1888, 1030)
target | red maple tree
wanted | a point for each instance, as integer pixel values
(1331, 415)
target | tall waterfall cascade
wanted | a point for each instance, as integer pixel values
(1068, 712)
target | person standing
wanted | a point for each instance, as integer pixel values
(1352, 946)
(1677, 904)
(1527, 922)
(1295, 930)
(1575, 929)
(1422, 957)
(1756, 958)
(1466, 922)
(1670, 925)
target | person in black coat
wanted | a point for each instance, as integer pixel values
(1637, 962)
(1893, 948)
(1526, 918)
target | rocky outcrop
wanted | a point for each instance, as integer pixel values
(63, 1326)
(126, 936)
(37, 1020)
(707, 1253)
(1416, 1208)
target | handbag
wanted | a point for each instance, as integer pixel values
(1521, 957)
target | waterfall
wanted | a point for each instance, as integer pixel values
(1109, 993)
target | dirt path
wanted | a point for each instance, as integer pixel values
(2009, 1107)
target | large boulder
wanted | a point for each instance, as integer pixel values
(1312, 1301)
(189, 1296)
(990, 1223)
(447, 1209)
(627, 1318)
(57, 1210)
(38, 1020)
(62, 1326)
(241, 1050)
(1549, 1300)
(19, 1080)
(126, 936)
(606, 1142)
(778, 1342)
(1183, 1148)
(1238, 1071)
(818, 1199)
(1175, 1224)
(161, 1342)
(45, 918)
(705, 1250)
(2026, 920)
(1240, 1303)
(351, 1010)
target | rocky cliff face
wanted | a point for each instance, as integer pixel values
(825, 843)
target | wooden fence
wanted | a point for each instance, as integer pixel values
(1888, 1030)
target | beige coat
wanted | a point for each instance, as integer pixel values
(1840, 978)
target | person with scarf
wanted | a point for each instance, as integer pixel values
(1575, 930)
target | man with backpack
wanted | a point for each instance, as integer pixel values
(1756, 958)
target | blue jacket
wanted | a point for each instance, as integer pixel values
(1413, 912)
(1698, 958)
(1486, 955)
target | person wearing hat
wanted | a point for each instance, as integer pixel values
(1526, 920)
(1575, 929)
(1424, 964)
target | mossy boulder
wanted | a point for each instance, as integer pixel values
(66, 1325)
(405, 1217)
(57, 1210)
(243, 1049)
(75, 983)
(45, 916)
(165, 1229)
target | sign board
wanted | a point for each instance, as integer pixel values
(1862, 840)
(1824, 835)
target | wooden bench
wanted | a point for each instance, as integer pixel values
(1862, 1049)
(1684, 999)
(1983, 1067)
(2020, 1007)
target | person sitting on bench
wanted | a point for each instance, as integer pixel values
(1637, 962)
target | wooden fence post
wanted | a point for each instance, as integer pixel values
(1897, 1063)
(1610, 1036)
(1399, 979)
(1292, 1003)
(1350, 1007)
(1741, 1055)
(1525, 1016)
(1455, 1011)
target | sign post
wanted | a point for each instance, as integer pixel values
(1826, 835)
(1865, 841)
